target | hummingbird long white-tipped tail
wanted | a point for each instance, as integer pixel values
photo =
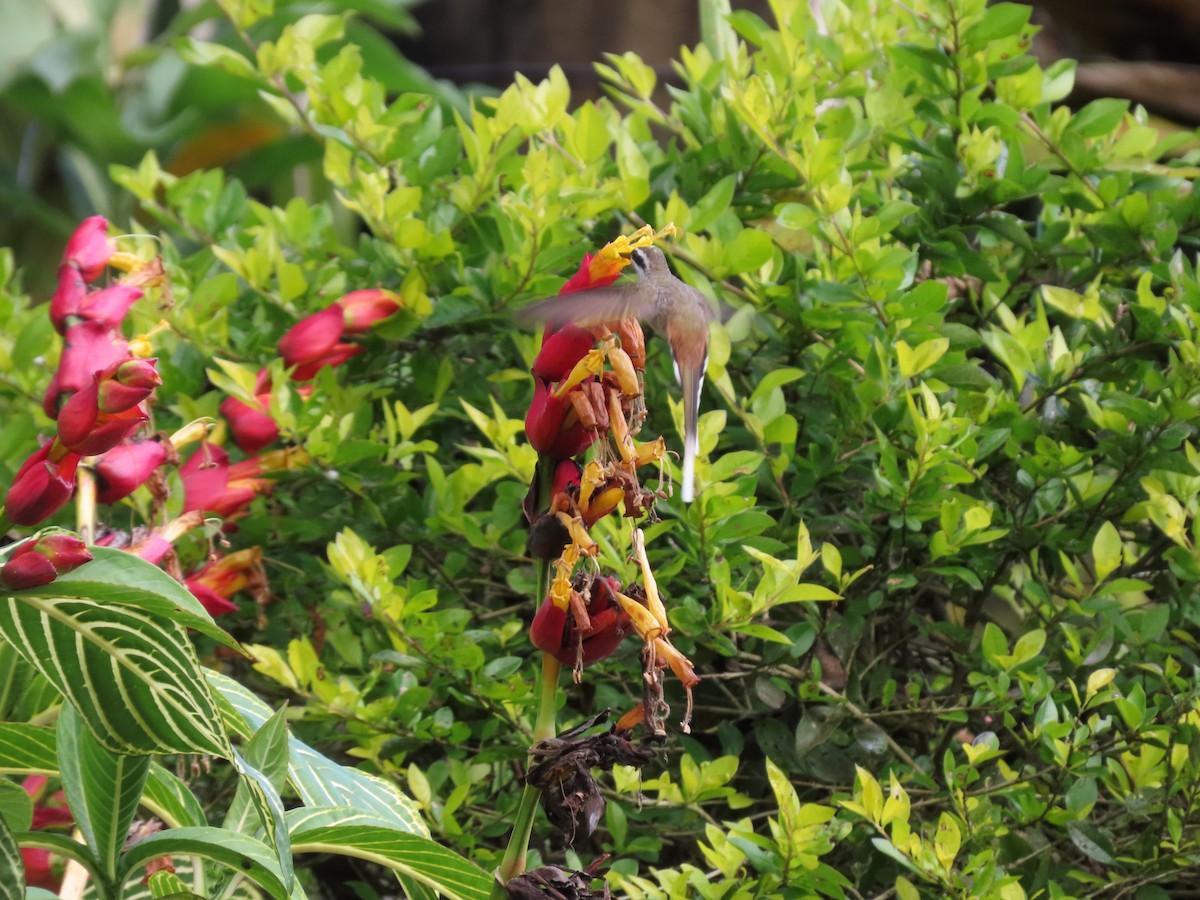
(687, 490)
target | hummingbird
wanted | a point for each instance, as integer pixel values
(675, 310)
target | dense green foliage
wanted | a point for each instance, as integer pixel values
(941, 575)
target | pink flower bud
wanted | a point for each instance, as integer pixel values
(312, 337)
(126, 467)
(39, 562)
(126, 384)
(69, 297)
(42, 486)
(363, 309)
(90, 248)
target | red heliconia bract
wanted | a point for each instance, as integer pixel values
(362, 309)
(43, 485)
(546, 428)
(561, 350)
(90, 248)
(126, 467)
(313, 337)
(556, 632)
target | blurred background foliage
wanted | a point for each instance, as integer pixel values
(957, 388)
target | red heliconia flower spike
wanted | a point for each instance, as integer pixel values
(561, 350)
(40, 561)
(334, 358)
(313, 337)
(42, 486)
(362, 309)
(126, 467)
(90, 248)
(545, 429)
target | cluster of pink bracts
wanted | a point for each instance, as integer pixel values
(98, 398)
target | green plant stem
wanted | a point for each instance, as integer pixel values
(5, 523)
(544, 727)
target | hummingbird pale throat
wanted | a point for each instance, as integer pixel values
(674, 309)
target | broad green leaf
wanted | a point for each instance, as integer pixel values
(914, 360)
(1106, 551)
(169, 886)
(103, 788)
(999, 21)
(245, 855)
(132, 675)
(12, 868)
(171, 800)
(16, 806)
(365, 836)
(27, 749)
(320, 781)
(265, 756)
(264, 797)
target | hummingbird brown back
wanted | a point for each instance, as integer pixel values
(675, 310)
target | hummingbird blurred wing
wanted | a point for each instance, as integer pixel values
(591, 307)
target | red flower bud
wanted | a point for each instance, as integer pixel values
(87, 430)
(548, 428)
(43, 484)
(89, 347)
(252, 428)
(313, 337)
(90, 248)
(362, 309)
(561, 350)
(338, 355)
(220, 579)
(39, 562)
(557, 631)
(28, 570)
(211, 484)
(126, 467)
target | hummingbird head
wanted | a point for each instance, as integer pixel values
(649, 261)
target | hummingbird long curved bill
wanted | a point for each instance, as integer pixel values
(674, 309)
